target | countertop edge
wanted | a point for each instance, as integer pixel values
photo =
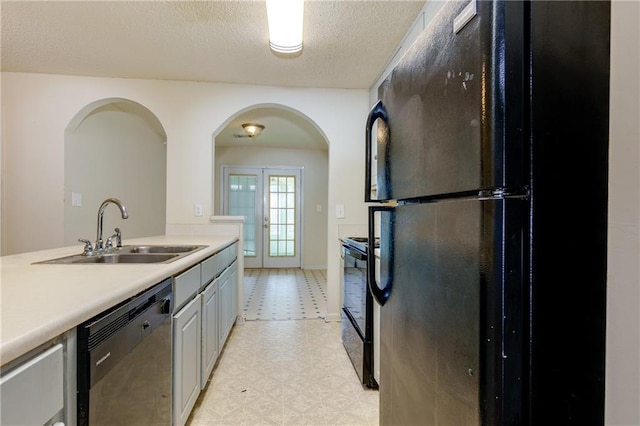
(14, 344)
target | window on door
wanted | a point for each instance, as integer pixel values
(242, 202)
(269, 199)
(282, 211)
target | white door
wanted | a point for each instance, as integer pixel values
(269, 198)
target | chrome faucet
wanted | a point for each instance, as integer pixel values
(123, 211)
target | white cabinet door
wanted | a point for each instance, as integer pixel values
(186, 360)
(233, 290)
(224, 307)
(210, 351)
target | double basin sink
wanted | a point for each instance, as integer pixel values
(130, 254)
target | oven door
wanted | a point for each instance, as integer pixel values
(357, 315)
(355, 288)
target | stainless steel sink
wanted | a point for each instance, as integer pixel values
(127, 258)
(159, 249)
(130, 254)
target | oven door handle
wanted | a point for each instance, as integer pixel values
(351, 252)
(381, 292)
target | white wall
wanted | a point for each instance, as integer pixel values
(425, 16)
(37, 108)
(115, 152)
(315, 181)
(622, 405)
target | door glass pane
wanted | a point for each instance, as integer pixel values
(242, 202)
(282, 198)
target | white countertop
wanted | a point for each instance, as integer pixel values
(40, 302)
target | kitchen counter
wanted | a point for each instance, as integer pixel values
(40, 302)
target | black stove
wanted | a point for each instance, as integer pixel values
(360, 243)
(357, 308)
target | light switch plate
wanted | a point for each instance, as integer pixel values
(76, 199)
(339, 211)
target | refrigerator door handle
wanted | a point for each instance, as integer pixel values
(377, 112)
(381, 294)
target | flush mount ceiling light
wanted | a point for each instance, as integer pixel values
(285, 25)
(253, 129)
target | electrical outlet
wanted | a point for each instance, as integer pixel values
(197, 209)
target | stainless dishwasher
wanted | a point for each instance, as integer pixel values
(124, 362)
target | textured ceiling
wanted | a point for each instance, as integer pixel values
(347, 43)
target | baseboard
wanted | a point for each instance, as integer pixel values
(314, 267)
(332, 317)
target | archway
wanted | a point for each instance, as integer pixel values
(114, 147)
(290, 141)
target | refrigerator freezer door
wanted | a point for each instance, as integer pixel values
(445, 126)
(445, 357)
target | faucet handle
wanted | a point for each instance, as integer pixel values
(118, 235)
(110, 241)
(88, 248)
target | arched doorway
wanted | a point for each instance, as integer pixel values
(289, 142)
(291, 149)
(114, 148)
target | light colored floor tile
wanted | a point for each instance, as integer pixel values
(285, 372)
(285, 294)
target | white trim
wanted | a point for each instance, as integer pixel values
(317, 267)
(332, 317)
(227, 219)
(465, 16)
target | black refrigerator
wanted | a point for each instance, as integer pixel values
(492, 163)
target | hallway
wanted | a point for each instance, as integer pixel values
(281, 294)
(285, 372)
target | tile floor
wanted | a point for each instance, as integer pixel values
(280, 294)
(286, 372)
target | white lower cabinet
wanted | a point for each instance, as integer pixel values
(33, 392)
(228, 302)
(233, 282)
(224, 307)
(201, 327)
(210, 344)
(186, 360)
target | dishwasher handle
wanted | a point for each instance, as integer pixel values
(141, 308)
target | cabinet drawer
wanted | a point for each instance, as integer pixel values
(210, 269)
(33, 393)
(185, 286)
(233, 252)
